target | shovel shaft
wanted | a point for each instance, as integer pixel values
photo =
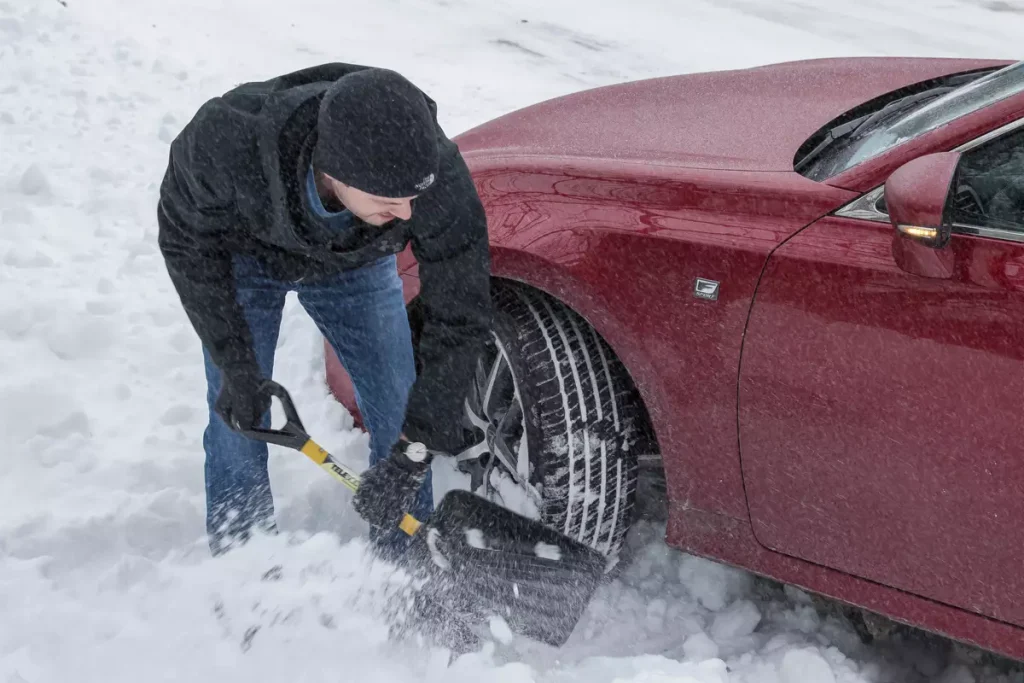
(293, 435)
(312, 450)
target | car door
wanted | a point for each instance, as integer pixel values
(881, 413)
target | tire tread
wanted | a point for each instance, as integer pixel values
(575, 382)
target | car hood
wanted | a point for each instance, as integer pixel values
(750, 119)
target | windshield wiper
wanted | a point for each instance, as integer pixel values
(862, 123)
(900, 105)
(837, 133)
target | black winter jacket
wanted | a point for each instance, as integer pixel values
(235, 183)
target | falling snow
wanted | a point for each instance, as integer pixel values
(104, 571)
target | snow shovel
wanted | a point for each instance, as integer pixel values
(476, 559)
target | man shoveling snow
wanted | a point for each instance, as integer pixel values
(312, 182)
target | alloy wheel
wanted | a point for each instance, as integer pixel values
(497, 458)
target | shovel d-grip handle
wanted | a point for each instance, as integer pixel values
(293, 435)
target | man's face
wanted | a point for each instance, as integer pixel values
(370, 208)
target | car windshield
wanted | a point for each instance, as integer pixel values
(921, 114)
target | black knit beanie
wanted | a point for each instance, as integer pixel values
(376, 133)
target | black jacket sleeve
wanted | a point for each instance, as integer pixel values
(454, 269)
(196, 216)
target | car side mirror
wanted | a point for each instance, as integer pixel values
(917, 198)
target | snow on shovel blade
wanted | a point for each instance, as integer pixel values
(480, 560)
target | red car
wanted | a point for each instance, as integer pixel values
(788, 301)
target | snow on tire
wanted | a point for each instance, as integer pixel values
(580, 412)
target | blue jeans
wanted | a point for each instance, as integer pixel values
(362, 315)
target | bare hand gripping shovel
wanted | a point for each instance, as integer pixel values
(477, 558)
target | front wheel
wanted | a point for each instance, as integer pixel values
(551, 423)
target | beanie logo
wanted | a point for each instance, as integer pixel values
(425, 183)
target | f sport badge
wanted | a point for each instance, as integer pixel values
(706, 289)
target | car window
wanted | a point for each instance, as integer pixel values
(989, 187)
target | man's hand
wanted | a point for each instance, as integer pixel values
(241, 403)
(388, 489)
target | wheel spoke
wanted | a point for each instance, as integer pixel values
(511, 418)
(485, 471)
(475, 420)
(511, 423)
(473, 452)
(480, 376)
(535, 496)
(502, 452)
(475, 396)
(523, 458)
(497, 493)
(492, 377)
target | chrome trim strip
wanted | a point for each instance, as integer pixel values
(994, 233)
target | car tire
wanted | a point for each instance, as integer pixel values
(578, 410)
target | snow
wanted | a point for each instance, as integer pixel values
(548, 552)
(514, 496)
(710, 584)
(104, 571)
(700, 647)
(738, 619)
(475, 539)
(799, 666)
(500, 630)
(34, 182)
(433, 536)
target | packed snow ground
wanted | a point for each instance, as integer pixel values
(104, 572)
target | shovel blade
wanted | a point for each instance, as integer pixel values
(480, 560)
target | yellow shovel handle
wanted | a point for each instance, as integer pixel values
(409, 524)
